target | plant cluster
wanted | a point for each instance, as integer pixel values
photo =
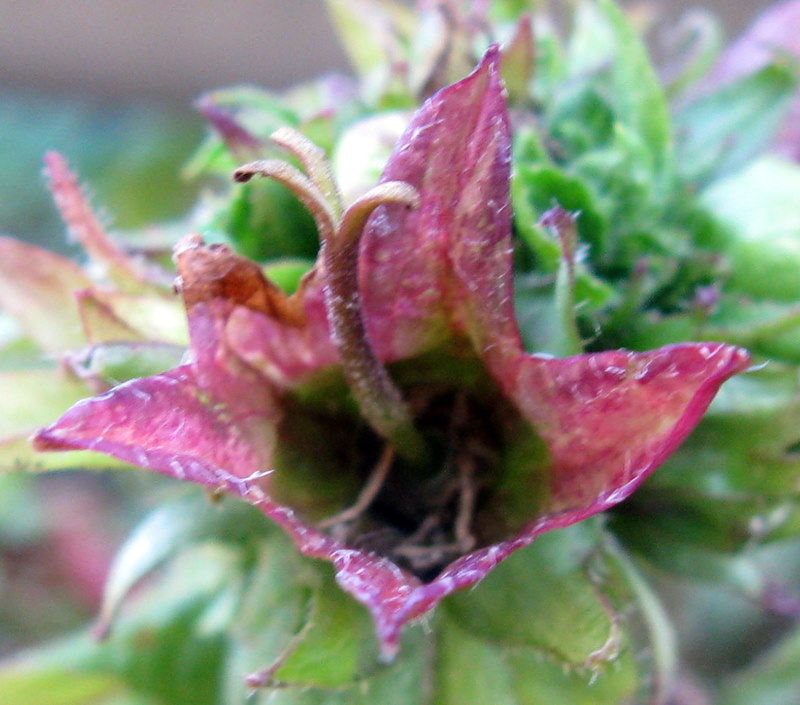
(434, 328)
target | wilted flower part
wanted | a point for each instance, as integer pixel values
(515, 444)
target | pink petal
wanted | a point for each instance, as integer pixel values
(610, 418)
(284, 339)
(210, 422)
(446, 267)
(286, 355)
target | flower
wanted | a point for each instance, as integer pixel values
(386, 415)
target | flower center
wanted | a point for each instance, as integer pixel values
(340, 475)
(423, 518)
(417, 469)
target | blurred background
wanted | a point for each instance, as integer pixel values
(171, 52)
(111, 85)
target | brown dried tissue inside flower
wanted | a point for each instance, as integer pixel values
(422, 516)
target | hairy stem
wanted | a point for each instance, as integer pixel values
(378, 398)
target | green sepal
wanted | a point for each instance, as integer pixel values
(516, 632)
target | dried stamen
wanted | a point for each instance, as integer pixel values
(377, 396)
(299, 184)
(373, 486)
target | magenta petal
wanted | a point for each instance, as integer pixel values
(609, 418)
(210, 422)
(446, 267)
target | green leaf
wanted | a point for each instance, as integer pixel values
(696, 45)
(34, 684)
(164, 653)
(264, 220)
(167, 531)
(257, 111)
(624, 181)
(509, 10)
(581, 119)
(723, 131)
(543, 187)
(758, 206)
(550, 70)
(16, 454)
(732, 483)
(773, 680)
(171, 649)
(769, 328)
(638, 97)
(591, 44)
(747, 439)
(32, 399)
(288, 273)
(366, 30)
(36, 288)
(159, 318)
